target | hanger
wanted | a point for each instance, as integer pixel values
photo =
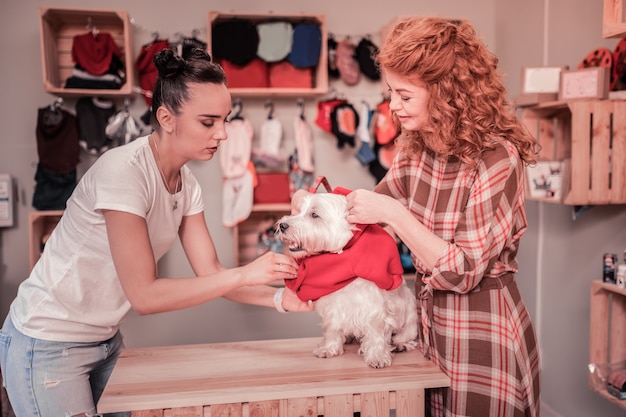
(270, 104)
(52, 116)
(92, 27)
(300, 103)
(56, 105)
(238, 106)
(155, 36)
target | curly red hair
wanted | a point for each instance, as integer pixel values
(468, 108)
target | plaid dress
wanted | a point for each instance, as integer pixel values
(473, 322)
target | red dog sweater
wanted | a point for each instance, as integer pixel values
(371, 254)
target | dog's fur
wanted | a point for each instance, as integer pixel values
(382, 321)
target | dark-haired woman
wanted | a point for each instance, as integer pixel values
(61, 338)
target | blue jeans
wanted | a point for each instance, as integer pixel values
(55, 379)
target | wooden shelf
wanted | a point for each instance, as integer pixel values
(58, 26)
(607, 330)
(613, 24)
(246, 233)
(40, 225)
(583, 135)
(320, 74)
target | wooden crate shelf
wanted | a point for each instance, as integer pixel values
(607, 330)
(58, 26)
(246, 233)
(589, 137)
(320, 75)
(613, 24)
(40, 225)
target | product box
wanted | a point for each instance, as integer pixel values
(272, 188)
(545, 180)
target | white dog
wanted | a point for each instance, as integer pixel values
(379, 311)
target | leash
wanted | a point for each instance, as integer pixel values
(320, 180)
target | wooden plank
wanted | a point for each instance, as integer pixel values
(227, 410)
(618, 155)
(338, 406)
(410, 403)
(617, 329)
(613, 25)
(264, 408)
(184, 412)
(581, 152)
(147, 413)
(601, 113)
(598, 326)
(300, 407)
(375, 404)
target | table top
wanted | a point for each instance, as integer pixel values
(220, 373)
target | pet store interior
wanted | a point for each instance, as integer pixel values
(575, 220)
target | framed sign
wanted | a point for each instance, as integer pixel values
(541, 79)
(587, 83)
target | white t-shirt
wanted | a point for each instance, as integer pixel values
(73, 293)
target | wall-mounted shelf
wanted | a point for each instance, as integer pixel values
(320, 73)
(607, 331)
(613, 24)
(246, 233)
(40, 225)
(58, 26)
(587, 136)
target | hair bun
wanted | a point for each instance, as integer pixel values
(168, 63)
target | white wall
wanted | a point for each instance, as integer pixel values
(558, 256)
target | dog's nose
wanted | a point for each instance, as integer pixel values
(283, 227)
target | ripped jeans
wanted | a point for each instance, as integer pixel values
(55, 379)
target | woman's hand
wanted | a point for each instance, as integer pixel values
(291, 302)
(369, 207)
(269, 267)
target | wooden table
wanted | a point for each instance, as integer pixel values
(273, 378)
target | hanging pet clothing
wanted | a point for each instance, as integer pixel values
(237, 197)
(384, 128)
(304, 144)
(301, 164)
(366, 52)
(268, 153)
(344, 121)
(324, 111)
(93, 115)
(365, 155)
(59, 153)
(236, 151)
(238, 180)
(347, 64)
(122, 127)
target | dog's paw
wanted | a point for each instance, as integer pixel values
(378, 361)
(405, 346)
(325, 351)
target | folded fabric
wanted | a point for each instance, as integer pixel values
(284, 74)
(275, 40)
(307, 45)
(236, 40)
(94, 53)
(255, 74)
